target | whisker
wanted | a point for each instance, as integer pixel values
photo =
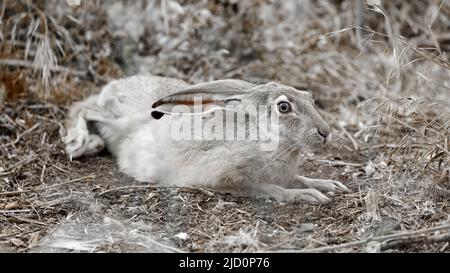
(276, 157)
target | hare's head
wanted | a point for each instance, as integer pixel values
(298, 122)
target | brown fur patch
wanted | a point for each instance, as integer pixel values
(15, 83)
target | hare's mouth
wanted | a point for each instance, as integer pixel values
(316, 143)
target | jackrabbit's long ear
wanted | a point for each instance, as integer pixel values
(208, 97)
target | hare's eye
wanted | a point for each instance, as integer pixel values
(284, 107)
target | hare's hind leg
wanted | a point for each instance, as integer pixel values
(81, 138)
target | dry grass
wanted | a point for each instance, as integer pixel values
(380, 75)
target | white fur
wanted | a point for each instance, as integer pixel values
(121, 118)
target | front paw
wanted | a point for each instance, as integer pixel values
(77, 137)
(310, 196)
(76, 142)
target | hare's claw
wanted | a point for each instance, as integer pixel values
(330, 186)
(322, 185)
(310, 196)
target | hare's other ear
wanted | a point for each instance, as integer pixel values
(208, 96)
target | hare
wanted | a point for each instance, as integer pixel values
(134, 119)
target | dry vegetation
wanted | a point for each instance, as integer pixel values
(380, 75)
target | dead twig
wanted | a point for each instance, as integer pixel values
(349, 136)
(26, 64)
(15, 211)
(21, 135)
(340, 163)
(204, 191)
(126, 188)
(20, 219)
(386, 241)
(19, 233)
(90, 177)
(414, 240)
(60, 169)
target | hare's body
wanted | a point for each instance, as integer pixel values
(181, 164)
(120, 118)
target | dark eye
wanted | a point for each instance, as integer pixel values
(284, 107)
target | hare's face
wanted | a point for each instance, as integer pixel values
(299, 122)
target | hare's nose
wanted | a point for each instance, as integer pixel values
(324, 132)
